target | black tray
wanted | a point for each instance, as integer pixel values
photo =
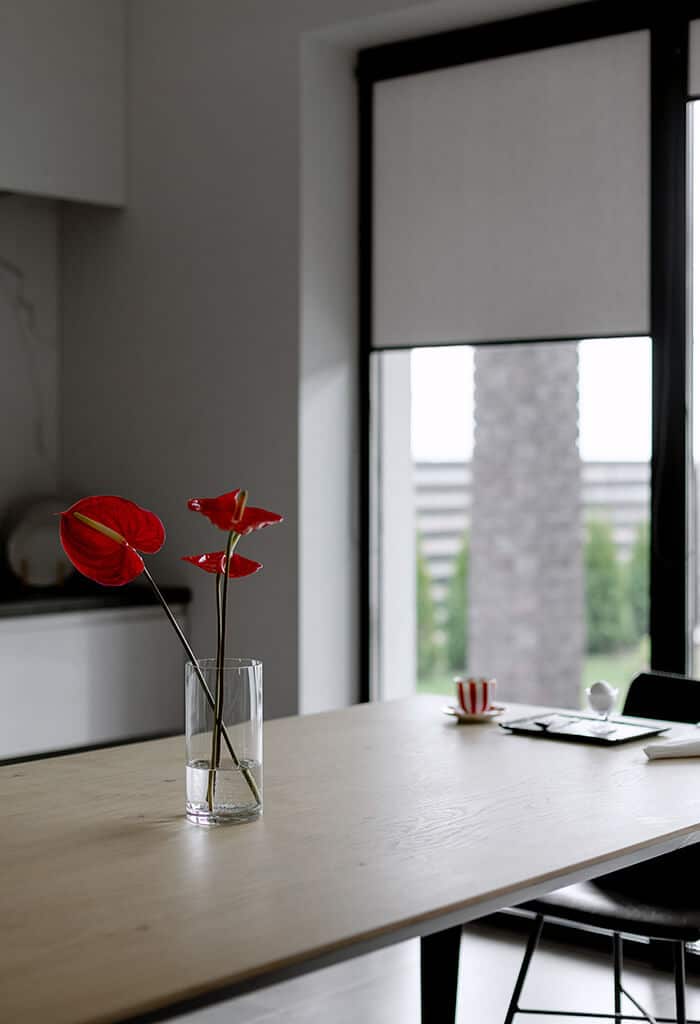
(579, 728)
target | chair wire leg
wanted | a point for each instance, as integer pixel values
(679, 977)
(522, 974)
(617, 972)
(645, 1013)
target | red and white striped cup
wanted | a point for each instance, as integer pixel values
(475, 695)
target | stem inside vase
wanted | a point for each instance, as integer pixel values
(221, 602)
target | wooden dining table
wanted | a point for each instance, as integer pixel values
(382, 822)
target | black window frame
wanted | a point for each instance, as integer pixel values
(669, 96)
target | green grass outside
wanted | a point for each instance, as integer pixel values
(618, 668)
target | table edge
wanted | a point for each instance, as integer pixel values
(460, 914)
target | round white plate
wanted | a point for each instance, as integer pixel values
(34, 550)
(456, 712)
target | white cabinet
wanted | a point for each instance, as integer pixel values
(79, 678)
(62, 91)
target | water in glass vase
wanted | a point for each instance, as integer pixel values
(233, 800)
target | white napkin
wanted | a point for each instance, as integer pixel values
(684, 746)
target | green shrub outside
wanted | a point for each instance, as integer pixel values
(456, 622)
(616, 601)
(427, 649)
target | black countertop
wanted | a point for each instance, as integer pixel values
(79, 595)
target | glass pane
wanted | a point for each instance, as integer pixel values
(529, 509)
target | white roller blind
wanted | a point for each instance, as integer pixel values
(694, 59)
(511, 197)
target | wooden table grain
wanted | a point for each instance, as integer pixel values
(382, 822)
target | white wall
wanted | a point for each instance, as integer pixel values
(28, 350)
(328, 421)
(187, 351)
(394, 607)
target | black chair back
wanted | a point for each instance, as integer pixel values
(670, 879)
(663, 695)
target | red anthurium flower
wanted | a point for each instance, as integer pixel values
(103, 534)
(214, 562)
(224, 513)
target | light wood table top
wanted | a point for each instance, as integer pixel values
(381, 822)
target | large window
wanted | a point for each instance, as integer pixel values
(523, 328)
(522, 475)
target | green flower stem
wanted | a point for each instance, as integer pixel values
(221, 595)
(207, 692)
(233, 539)
(211, 782)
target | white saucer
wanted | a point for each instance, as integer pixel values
(485, 716)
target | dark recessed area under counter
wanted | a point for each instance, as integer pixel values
(81, 595)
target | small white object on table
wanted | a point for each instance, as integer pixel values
(682, 746)
(602, 697)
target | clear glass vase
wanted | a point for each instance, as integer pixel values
(224, 767)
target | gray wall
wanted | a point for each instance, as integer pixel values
(29, 406)
(187, 352)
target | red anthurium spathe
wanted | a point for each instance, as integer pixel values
(224, 512)
(214, 562)
(102, 536)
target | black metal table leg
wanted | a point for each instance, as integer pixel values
(679, 978)
(439, 971)
(617, 971)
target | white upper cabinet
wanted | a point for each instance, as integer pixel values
(62, 99)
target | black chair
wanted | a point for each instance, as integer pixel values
(658, 899)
